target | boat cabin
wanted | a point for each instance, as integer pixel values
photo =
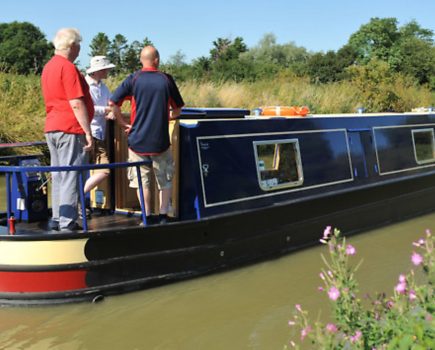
(227, 160)
(246, 188)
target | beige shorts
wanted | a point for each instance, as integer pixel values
(98, 155)
(163, 167)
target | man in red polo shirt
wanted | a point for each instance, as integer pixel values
(155, 99)
(69, 111)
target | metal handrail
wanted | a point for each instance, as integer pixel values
(11, 169)
(23, 144)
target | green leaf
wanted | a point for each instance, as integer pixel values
(406, 342)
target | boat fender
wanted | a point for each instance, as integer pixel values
(300, 111)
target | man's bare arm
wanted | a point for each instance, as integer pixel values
(119, 118)
(79, 108)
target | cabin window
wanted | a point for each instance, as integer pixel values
(424, 148)
(278, 164)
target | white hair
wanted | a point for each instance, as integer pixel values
(65, 38)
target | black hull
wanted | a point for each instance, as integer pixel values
(124, 260)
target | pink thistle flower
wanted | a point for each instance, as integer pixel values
(356, 337)
(428, 233)
(350, 250)
(401, 288)
(298, 307)
(419, 243)
(322, 276)
(333, 293)
(305, 332)
(327, 232)
(402, 278)
(320, 289)
(412, 296)
(416, 259)
(331, 328)
(390, 304)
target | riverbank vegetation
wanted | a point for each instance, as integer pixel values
(404, 320)
(22, 110)
(383, 67)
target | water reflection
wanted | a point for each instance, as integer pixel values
(246, 308)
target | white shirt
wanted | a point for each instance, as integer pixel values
(100, 96)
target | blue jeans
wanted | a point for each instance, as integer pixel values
(65, 149)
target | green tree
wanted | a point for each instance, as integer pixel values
(408, 49)
(414, 53)
(417, 59)
(225, 62)
(236, 70)
(116, 52)
(131, 57)
(178, 67)
(178, 59)
(331, 66)
(221, 46)
(225, 49)
(375, 39)
(147, 42)
(269, 58)
(376, 83)
(201, 68)
(322, 68)
(100, 45)
(23, 48)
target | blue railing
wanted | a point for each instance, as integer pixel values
(10, 170)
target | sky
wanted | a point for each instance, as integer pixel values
(191, 26)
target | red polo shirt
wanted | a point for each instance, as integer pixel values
(61, 82)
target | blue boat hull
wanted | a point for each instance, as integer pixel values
(235, 207)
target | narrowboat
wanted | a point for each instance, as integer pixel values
(246, 188)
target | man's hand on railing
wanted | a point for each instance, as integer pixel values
(127, 128)
(110, 116)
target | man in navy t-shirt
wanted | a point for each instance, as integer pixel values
(155, 99)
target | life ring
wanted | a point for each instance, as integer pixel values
(284, 111)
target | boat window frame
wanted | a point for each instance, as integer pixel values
(431, 131)
(297, 157)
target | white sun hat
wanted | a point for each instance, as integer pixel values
(99, 63)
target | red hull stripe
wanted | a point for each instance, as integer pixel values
(36, 282)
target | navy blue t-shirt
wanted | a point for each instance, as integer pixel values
(152, 94)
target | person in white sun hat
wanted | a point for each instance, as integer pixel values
(98, 70)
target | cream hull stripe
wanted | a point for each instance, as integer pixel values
(41, 253)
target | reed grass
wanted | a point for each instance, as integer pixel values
(21, 108)
(22, 113)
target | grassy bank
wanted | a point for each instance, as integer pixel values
(22, 110)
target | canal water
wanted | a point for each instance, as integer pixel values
(246, 308)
